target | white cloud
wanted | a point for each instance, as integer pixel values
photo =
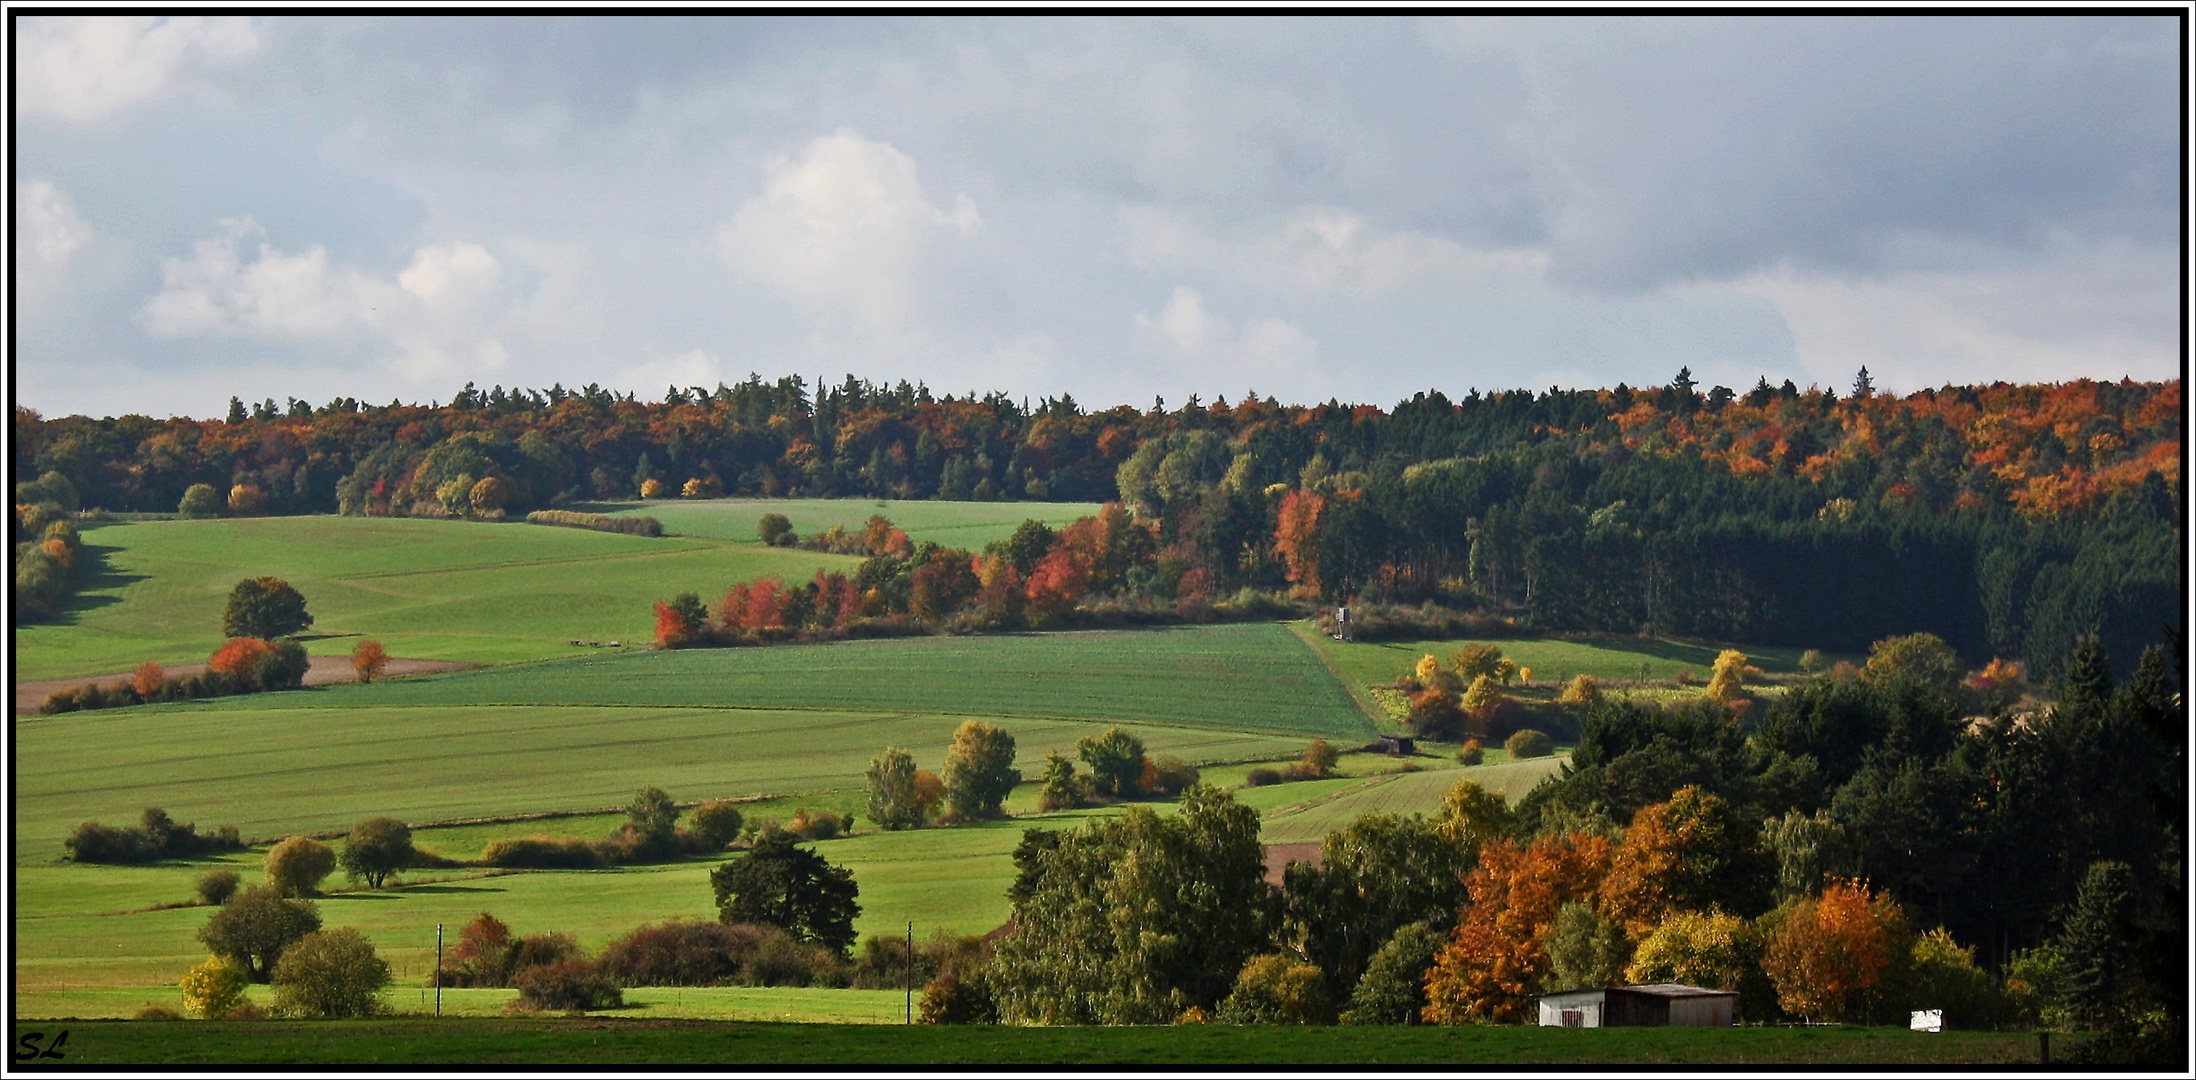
(85, 68)
(1186, 333)
(50, 229)
(844, 221)
(694, 367)
(1321, 249)
(452, 273)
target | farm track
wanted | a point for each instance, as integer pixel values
(324, 671)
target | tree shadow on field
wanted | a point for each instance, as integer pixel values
(98, 584)
(399, 892)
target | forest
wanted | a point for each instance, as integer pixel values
(2009, 520)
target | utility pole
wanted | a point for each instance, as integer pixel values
(911, 973)
(438, 969)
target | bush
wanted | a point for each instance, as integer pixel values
(817, 824)
(1276, 989)
(1529, 744)
(157, 1012)
(1471, 753)
(715, 823)
(297, 866)
(777, 531)
(681, 953)
(212, 989)
(1262, 776)
(217, 885)
(1393, 988)
(1171, 776)
(1319, 757)
(630, 526)
(156, 836)
(542, 853)
(574, 985)
(199, 501)
(958, 997)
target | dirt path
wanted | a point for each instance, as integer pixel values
(324, 671)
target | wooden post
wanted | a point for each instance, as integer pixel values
(2043, 1048)
(438, 969)
(911, 973)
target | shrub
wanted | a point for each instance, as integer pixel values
(199, 501)
(240, 659)
(777, 531)
(1262, 776)
(1529, 744)
(1276, 989)
(92, 842)
(574, 985)
(157, 1012)
(1171, 775)
(544, 950)
(960, 996)
(217, 885)
(148, 681)
(296, 866)
(155, 836)
(542, 853)
(682, 953)
(630, 526)
(1060, 790)
(715, 823)
(816, 824)
(1319, 757)
(213, 988)
(1582, 691)
(1471, 753)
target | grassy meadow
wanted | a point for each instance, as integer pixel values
(633, 1038)
(968, 525)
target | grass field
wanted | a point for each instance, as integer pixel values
(621, 1041)
(778, 1004)
(443, 590)
(968, 525)
(1553, 660)
(1246, 676)
(1320, 812)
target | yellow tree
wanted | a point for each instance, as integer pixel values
(1427, 668)
(1582, 691)
(1727, 684)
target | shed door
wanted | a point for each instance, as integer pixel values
(1574, 1018)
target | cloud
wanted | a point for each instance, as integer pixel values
(843, 222)
(694, 367)
(1184, 331)
(83, 69)
(51, 231)
(453, 273)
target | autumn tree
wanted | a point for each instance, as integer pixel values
(264, 607)
(148, 680)
(681, 622)
(979, 771)
(1728, 681)
(213, 989)
(1319, 757)
(1116, 761)
(1688, 854)
(487, 498)
(247, 500)
(369, 660)
(1836, 955)
(1277, 989)
(716, 822)
(1473, 816)
(1583, 690)
(296, 866)
(1712, 949)
(1295, 538)
(330, 974)
(1474, 659)
(892, 796)
(1921, 658)
(1498, 955)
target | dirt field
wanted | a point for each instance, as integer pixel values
(324, 670)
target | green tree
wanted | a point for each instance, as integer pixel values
(979, 770)
(377, 848)
(1116, 761)
(330, 974)
(297, 865)
(1375, 875)
(894, 802)
(1277, 989)
(1157, 914)
(1922, 658)
(654, 821)
(265, 608)
(1585, 951)
(1393, 988)
(2097, 949)
(255, 926)
(776, 530)
(199, 501)
(782, 884)
(1059, 790)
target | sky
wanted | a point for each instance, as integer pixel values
(1118, 208)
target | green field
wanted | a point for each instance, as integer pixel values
(1246, 676)
(444, 590)
(968, 525)
(632, 1040)
(1319, 812)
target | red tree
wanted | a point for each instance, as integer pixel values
(369, 659)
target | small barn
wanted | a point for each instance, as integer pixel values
(1650, 1005)
(1398, 745)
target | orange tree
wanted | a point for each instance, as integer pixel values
(1841, 955)
(1499, 953)
(1688, 854)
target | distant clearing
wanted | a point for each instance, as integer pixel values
(968, 525)
(444, 590)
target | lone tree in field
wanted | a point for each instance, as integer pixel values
(331, 974)
(255, 926)
(377, 848)
(199, 501)
(776, 530)
(264, 608)
(781, 884)
(979, 771)
(654, 821)
(369, 659)
(1116, 761)
(894, 802)
(298, 865)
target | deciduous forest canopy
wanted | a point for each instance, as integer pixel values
(2007, 519)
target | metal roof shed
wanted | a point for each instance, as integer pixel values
(1650, 1005)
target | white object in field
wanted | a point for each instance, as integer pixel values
(1928, 1020)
